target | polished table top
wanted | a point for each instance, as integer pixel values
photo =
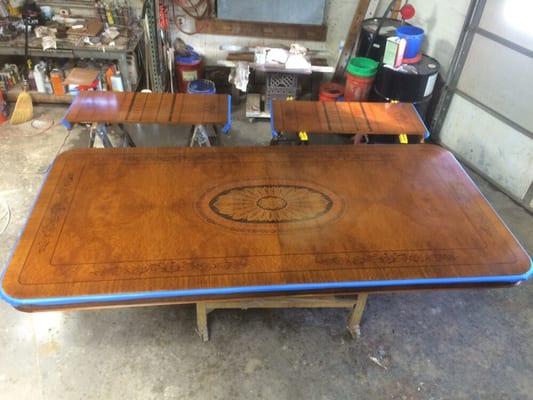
(330, 117)
(149, 108)
(119, 225)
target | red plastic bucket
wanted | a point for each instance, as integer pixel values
(360, 76)
(357, 87)
(330, 91)
(188, 68)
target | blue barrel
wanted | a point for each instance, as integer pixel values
(414, 37)
(201, 86)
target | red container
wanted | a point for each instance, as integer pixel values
(188, 68)
(330, 91)
(56, 78)
(3, 109)
(357, 87)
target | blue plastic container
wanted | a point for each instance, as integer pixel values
(189, 58)
(201, 86)
(414, 37)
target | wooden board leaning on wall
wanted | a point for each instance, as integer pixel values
(263, 29)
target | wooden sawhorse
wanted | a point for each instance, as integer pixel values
(98, 109)
(356, 303)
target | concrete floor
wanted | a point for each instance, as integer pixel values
(465, 344)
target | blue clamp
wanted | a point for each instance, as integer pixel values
(66, 124)
(275, 134)
(63, 121)
(427, 134)
(227, 127)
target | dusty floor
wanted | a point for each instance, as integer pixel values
(465, 344)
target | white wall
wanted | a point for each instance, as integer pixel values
(442, 21)
(492, 147)
(339, 17)
(499, 78)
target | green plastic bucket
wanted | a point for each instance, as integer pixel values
(363, 67)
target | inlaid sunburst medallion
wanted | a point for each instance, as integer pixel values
(260, 207)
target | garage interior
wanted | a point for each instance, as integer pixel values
(468, 86)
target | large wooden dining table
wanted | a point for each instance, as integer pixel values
(140, 226)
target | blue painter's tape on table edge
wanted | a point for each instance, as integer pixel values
(110, 298)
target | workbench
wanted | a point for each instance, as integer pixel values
(258, 105)
(67, 49)
(98, 109)
(346, 118)
(240, 226)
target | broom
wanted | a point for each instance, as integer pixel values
(23, 110)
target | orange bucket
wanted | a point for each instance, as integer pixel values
(330, 91)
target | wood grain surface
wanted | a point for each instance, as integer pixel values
(346, 118)
(147, 108)
(114, 221)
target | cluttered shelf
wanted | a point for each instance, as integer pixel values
(57, 42)
(70, 46)
(123, 52)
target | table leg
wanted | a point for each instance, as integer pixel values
(101, 130)
(126, 138)
(193, 136)
(200, 136)
(92, 135)
(204, 140)
(201, 321)
(124, 71)
(357, 306)
(218, 142)
(358, 138)
(354, 318)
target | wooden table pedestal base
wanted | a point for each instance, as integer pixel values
(355, 303)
